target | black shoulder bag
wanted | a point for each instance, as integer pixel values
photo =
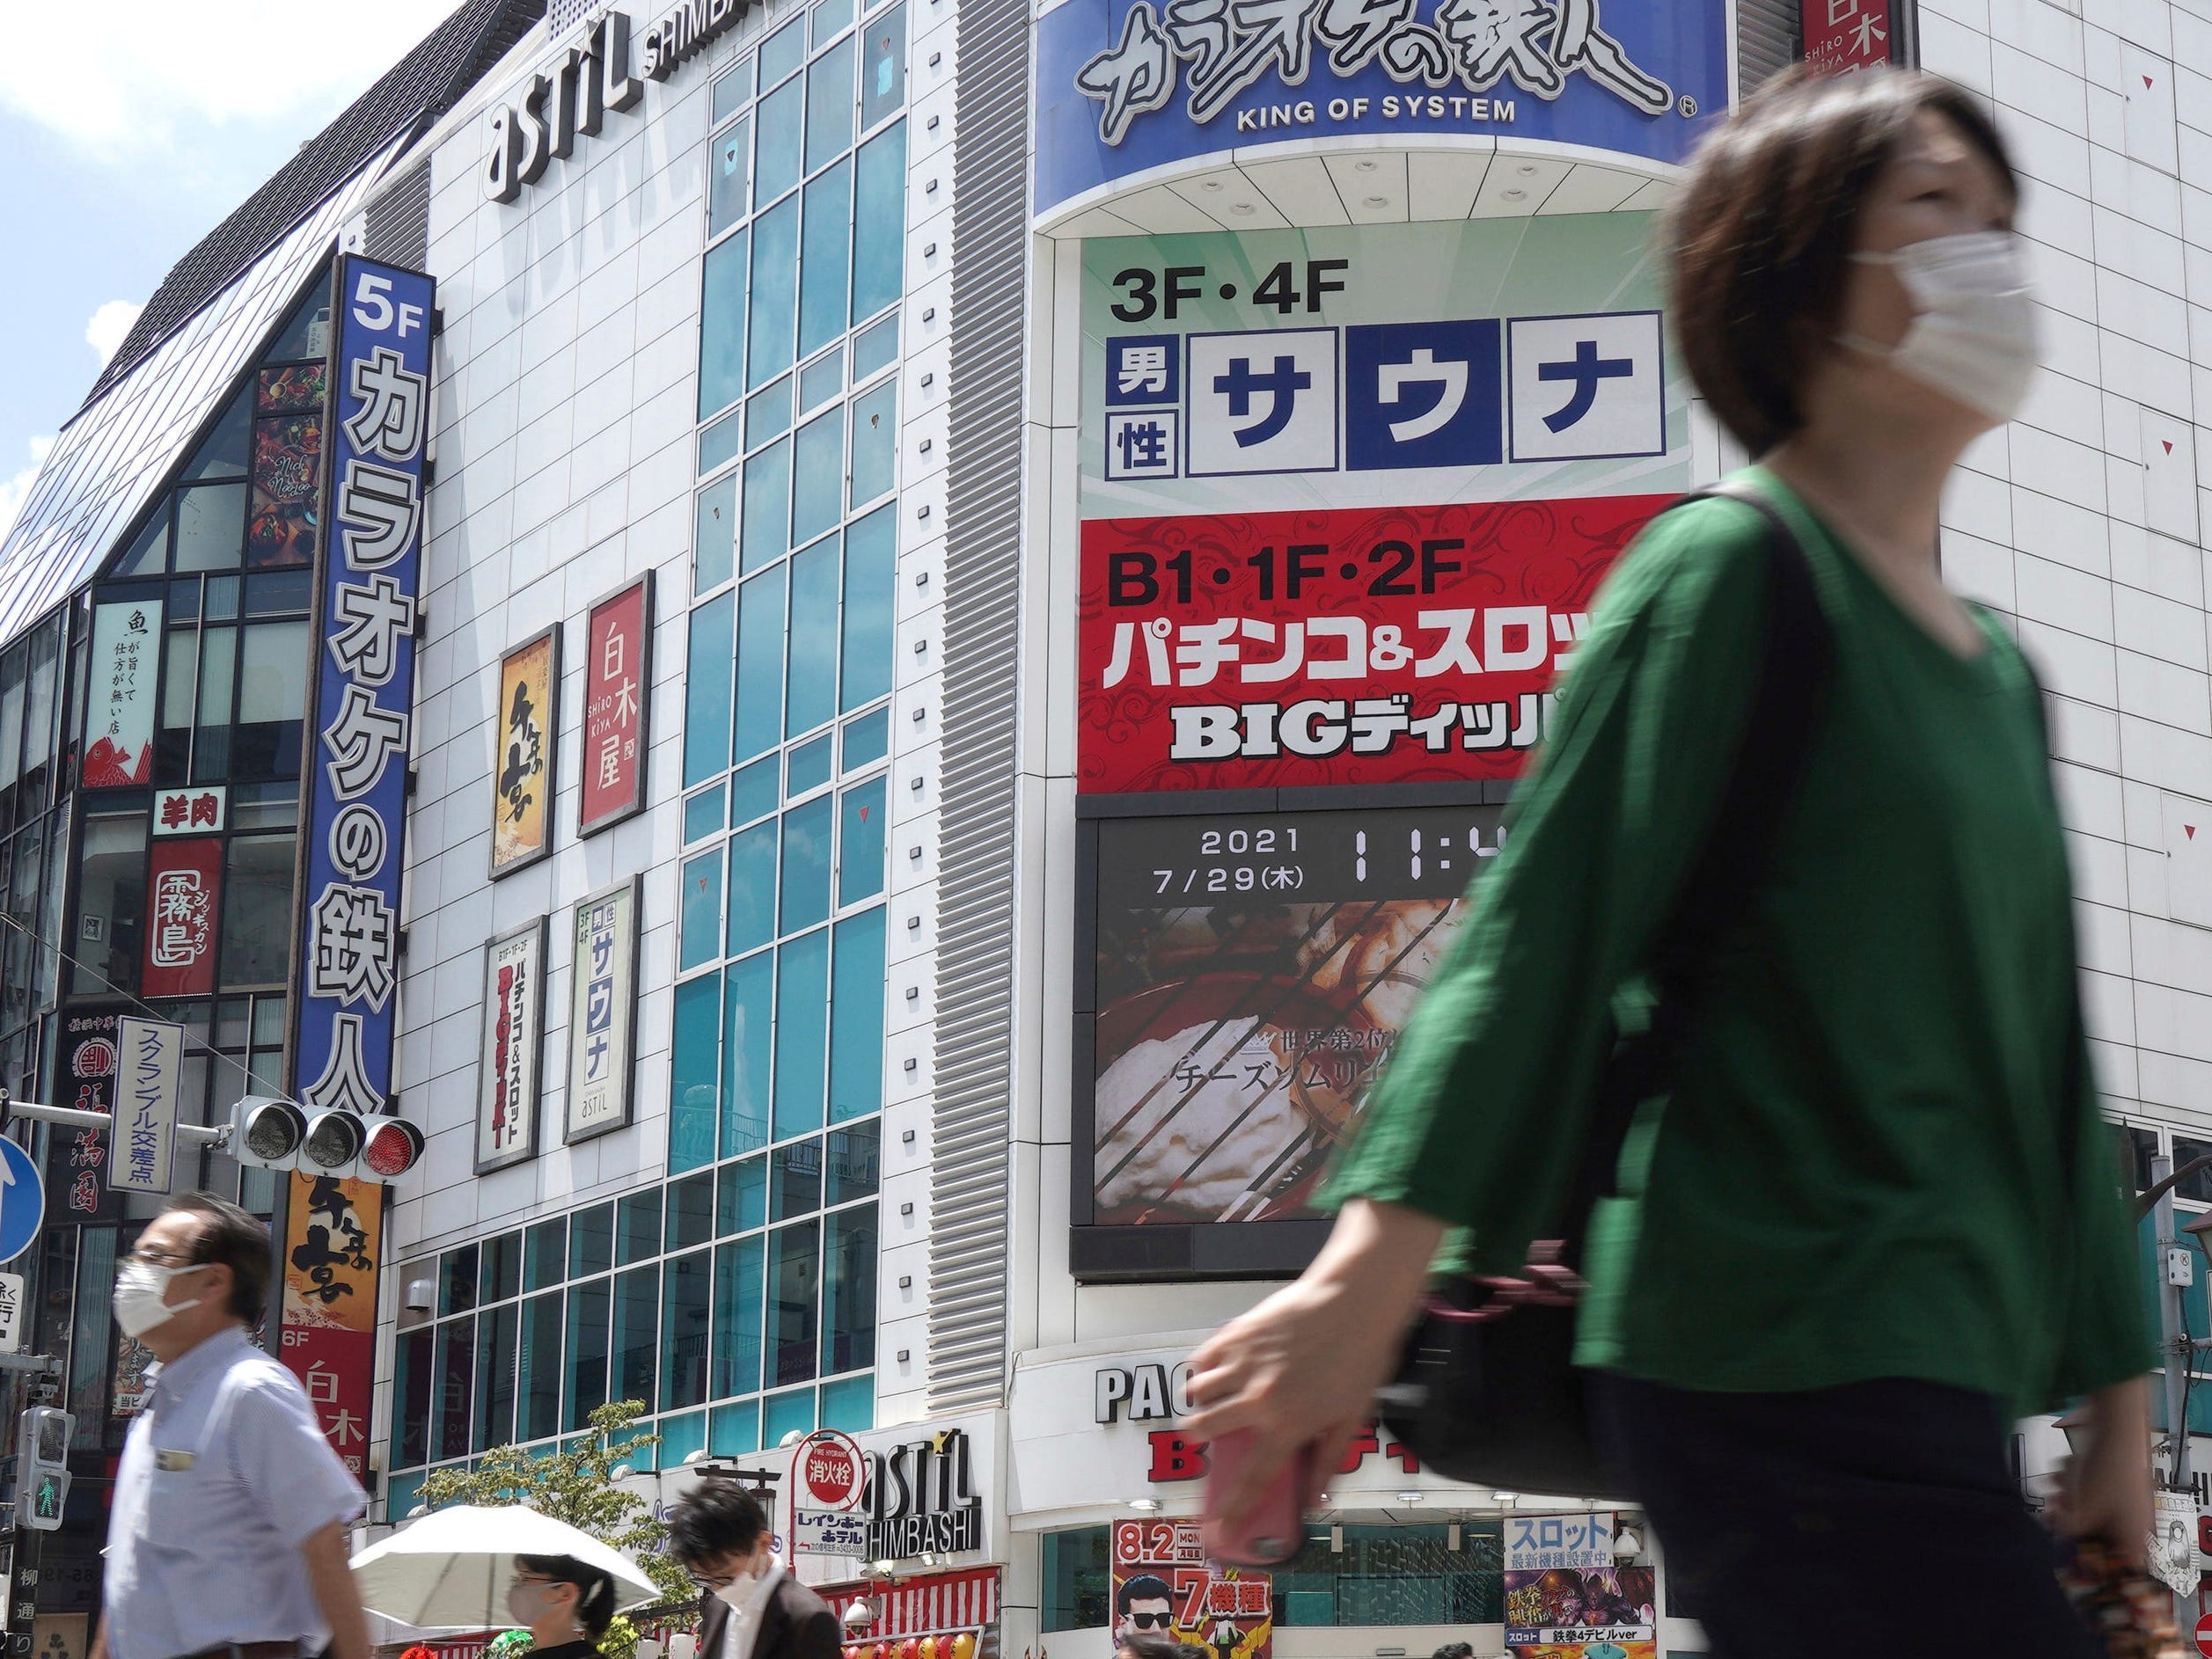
(1486, 1390)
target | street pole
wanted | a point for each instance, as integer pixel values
(2176, 1269)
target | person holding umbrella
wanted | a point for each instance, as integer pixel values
(568, 1604)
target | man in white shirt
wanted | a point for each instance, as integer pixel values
(751, 1608)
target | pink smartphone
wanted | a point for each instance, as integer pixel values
(1275, 1530)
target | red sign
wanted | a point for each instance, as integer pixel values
(1844, 36)
(830, 1466)
(2204, 1635)
(1160, 1569)
(77, 1159)
(333, 1234)
(1362, 646)
(184, 892)
(617, 681)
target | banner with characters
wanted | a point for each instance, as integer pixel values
(1164, 1586)
(334, 1236)
(1567, 1597)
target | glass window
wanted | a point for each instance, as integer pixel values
(856, 1018)
(860, 822)
(781, 120)
(687, 1293)
(795, 1273)
(638, 1223)
(545, 1254)
(587, 1350)
(879, 219)
(149, 556)
(871, 558)
(714, 546)
(848, 1290)
(783, 52)
(753, 790)
(308, 333)
(830, 105)
(590, 1241)
(691, 1212)
(805, 885)
(850, 1404)
(694, 1065)
(776, 289)
(825, 255)
(274, 660)
(782, 1414)
(495, 1379)
(257, 911)
(111, 904)
(211, 532)
(721, 324)
(733, 1430)
(706, 688)
(748, 1035)
(275, 593)
(759, 722)
(736, 1367)
(817, 493)
(767, 514)
(811, 697)
(882, 65)
(729, 176)
(457, 1281)
(1079, 1589)
(795, 1180)
(680, 1438)
(827, 19)
(875, 442)
(411, 1398)
(700, 914)
(821, 380)
(801, 1034)
(741, 1199)
(637, 1332)
(456, 1364)
(702, 814)
(810, 766)
(720, 442)
(502, 1267)
(221, 454)
(732, 90)
(874, 347)
(867, 738)
(752, 888)
(538, 1391)
(850, 1167)
(768, 413)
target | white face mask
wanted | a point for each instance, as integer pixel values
(1974, 336)
(736, 1593)
(139, 1288)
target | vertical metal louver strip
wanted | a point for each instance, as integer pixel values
(398, 221)
(1767, 41)
(973, 1053)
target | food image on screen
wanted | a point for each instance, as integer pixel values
(1253, 972)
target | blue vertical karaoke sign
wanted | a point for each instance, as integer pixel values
(347, 976)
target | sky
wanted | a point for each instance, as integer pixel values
(122, 146)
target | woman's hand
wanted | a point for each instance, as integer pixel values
(1301, 1368)
(2104, 1490)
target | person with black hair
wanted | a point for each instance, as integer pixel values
(1454, 1650)
(1145, 1645)
(1144, 1605)
(750, 1607)
(227, 1534)
(567, 1604)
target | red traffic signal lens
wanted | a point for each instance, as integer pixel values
(392, 1147)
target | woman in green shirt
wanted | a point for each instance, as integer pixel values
(1873, 1222)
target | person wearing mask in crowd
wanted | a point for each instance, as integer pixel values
(750, 1607)
(567, 1604)
(227, 1536)
(1878, 1216)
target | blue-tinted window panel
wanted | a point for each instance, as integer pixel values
(882, 65)
(809, 767)
(784, 51)
(747, 1046)
(821, 380)
(805, 884)
(782, 121)
(828, 18)
(753, 790)
(695, 1071)
(817, 485)
(686, 1295)
(728, 177)
(736, 1365)
(830, 101)
(850, 1163)
(715, 535)
(591, 1241)
(741, 1196)
(861, 821)
(811, 696)
(870, 565)
(700, 911)
(759, 716)
(721, 442)
(721, 326)
(848, 1290)
(795, 1284)
(752, 888)
(401, 1494)
(849, 1404)
(824, 269)
(767, 511)
(689, 1216)
(875, 442)
(587, 1351)
(680, 1437)
(867, 740)
(781, 1414)
(639, 1226)
(874, 347)
(731, 90)
(795, 1180)
(879, 218)
(703, 812)
(776, 291)
(803, 991)
(538, 1369)
(706, 682)
(856, 1018)
(768, 414)
(733, 1430)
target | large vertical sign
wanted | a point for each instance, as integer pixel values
(184, 894)
(523, 769)
(149, 1062)
(76, 1158)
(346, 977)
(118, 700)
(602, 1010)
(1844, 36)
(1567, 1597)
(617, 681)
(514, 1016)
(1164, 1586)
(333, 1234)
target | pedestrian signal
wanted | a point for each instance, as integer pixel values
(42, 1467)
(267, 1133)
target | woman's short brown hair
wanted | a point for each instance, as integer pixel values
(1757, 242)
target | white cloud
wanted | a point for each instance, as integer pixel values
(159, 70)
(14, 490)
(109, 324)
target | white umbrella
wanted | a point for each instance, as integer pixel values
(451, 1567)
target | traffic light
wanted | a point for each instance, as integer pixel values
(42, 1467)
(267, 1133)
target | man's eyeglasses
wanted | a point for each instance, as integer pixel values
(1151, 1621)
(146, 1258)
(712, 1581)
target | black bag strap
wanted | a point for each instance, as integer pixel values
(1797, 664)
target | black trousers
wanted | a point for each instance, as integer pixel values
(1878, 1518)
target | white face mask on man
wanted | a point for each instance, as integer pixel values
(1973, 336)
(140, 1287)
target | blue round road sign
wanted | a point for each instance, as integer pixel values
(22, 1200)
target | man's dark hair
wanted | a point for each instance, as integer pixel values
(1143, 1587)
(715, 1517)
(1454, 1650)
(1760, 240)
(1145, 1644)
(230, 1238)
(594, 1588)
